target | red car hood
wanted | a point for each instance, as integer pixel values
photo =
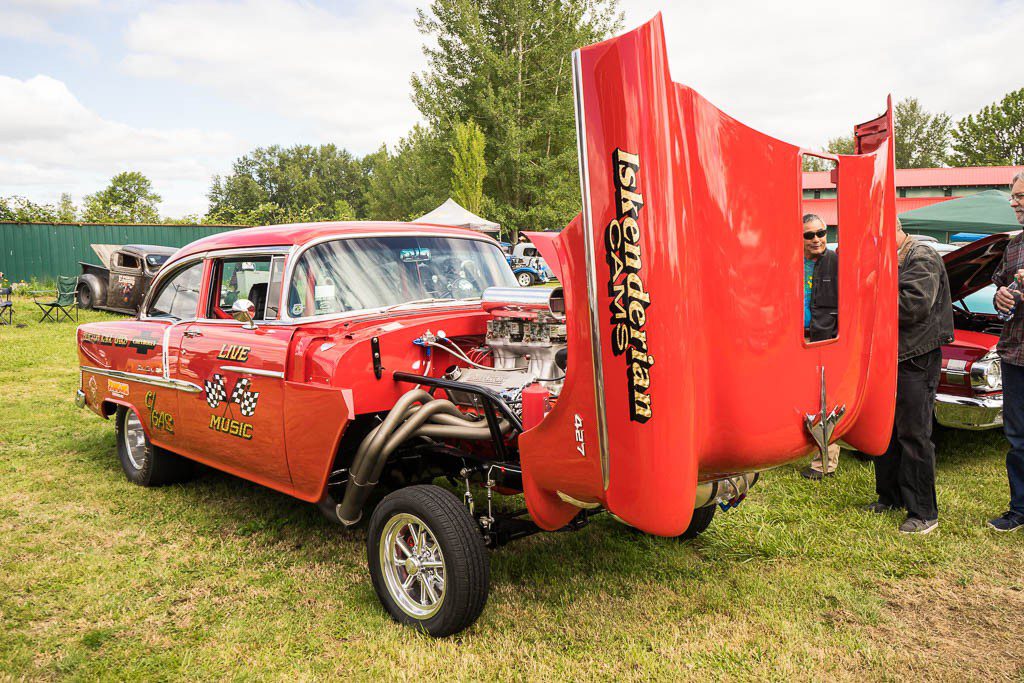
(685, 318)
(970, 267)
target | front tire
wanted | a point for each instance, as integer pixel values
(699, 523)
(526, 279)
(143, 463)
(427, 560)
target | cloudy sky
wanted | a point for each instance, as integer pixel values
(177, 90)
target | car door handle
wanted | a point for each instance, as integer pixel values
(192, 334)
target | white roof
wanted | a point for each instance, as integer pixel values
(453, 214)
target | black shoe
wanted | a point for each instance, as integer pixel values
(813, 474)
(916, 525)
(1010, 521)
(878, 507)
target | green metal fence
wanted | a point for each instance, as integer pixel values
(46, 250)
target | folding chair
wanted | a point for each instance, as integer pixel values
(66, 301)
(6, 307)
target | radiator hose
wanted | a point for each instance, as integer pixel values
(415, 414)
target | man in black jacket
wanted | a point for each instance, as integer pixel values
(821, 308)
(905, 474)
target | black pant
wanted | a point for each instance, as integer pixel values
(905, 474)
(1013, 426)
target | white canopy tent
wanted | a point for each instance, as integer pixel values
(452, 213)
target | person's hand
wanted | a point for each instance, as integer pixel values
(1004, 299)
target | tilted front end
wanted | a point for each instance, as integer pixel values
(683, 288)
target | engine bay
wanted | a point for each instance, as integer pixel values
(525, 343)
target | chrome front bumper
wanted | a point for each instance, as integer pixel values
(967, 412)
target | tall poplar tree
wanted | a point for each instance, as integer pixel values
(469, 167)
(506, 64)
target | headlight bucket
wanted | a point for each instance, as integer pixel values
(986, 374)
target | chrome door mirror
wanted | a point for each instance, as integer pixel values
(243, 311)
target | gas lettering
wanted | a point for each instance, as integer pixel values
(158, 419)
(629, 296)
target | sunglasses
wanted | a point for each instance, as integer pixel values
(812, 235)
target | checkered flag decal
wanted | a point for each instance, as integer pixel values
(245, 398)
(216, 392)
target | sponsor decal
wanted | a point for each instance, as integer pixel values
(158, 420)
(234, 352)
(141, 346)
(117, 388)
(242, 395)
(93, 388)
(630, 299)
(125, 283)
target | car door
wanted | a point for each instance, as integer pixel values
(174, 305)
(237, 421)
(125, 276)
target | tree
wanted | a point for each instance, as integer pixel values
(411, 181)
(469, 167)
(21, 210)
(505, 64)
(66, 211)
(301, 183)
(994, 136)
(922, 138)
(129, 198)
(838, 145)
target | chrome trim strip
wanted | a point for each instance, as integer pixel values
(165, 361)
(591, 259)
(179, 384)
(253, 371)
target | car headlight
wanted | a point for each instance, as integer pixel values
(987, 373)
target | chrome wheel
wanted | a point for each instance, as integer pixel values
(413, 566)
(525, 279)
(134, 437)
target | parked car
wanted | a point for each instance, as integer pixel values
(121, 284)
(970, 392)
(340, 362)
(528, 265)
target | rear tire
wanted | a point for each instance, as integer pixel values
(143, 463)
(427, 560)
(85, 301)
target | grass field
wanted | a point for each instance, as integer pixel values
(220, 578)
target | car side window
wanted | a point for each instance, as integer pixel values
(256, 278)
(129, 262)
(178, 296)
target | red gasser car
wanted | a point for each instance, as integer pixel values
(336, 362)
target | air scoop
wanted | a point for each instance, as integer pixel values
(537, 299)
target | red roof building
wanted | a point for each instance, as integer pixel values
(915, 187)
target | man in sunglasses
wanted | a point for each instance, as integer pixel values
(1011, 356)
(821, 310)
(905, 473)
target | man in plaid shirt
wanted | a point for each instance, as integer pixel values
(1011, 355)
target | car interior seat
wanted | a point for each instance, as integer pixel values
(258, 297)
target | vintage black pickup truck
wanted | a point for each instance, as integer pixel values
(122, 284)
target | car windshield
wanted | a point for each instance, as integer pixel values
(376, 272)
(154, 261)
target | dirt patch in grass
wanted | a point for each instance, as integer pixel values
(944, 628)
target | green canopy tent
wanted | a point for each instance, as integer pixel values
(986, 212)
